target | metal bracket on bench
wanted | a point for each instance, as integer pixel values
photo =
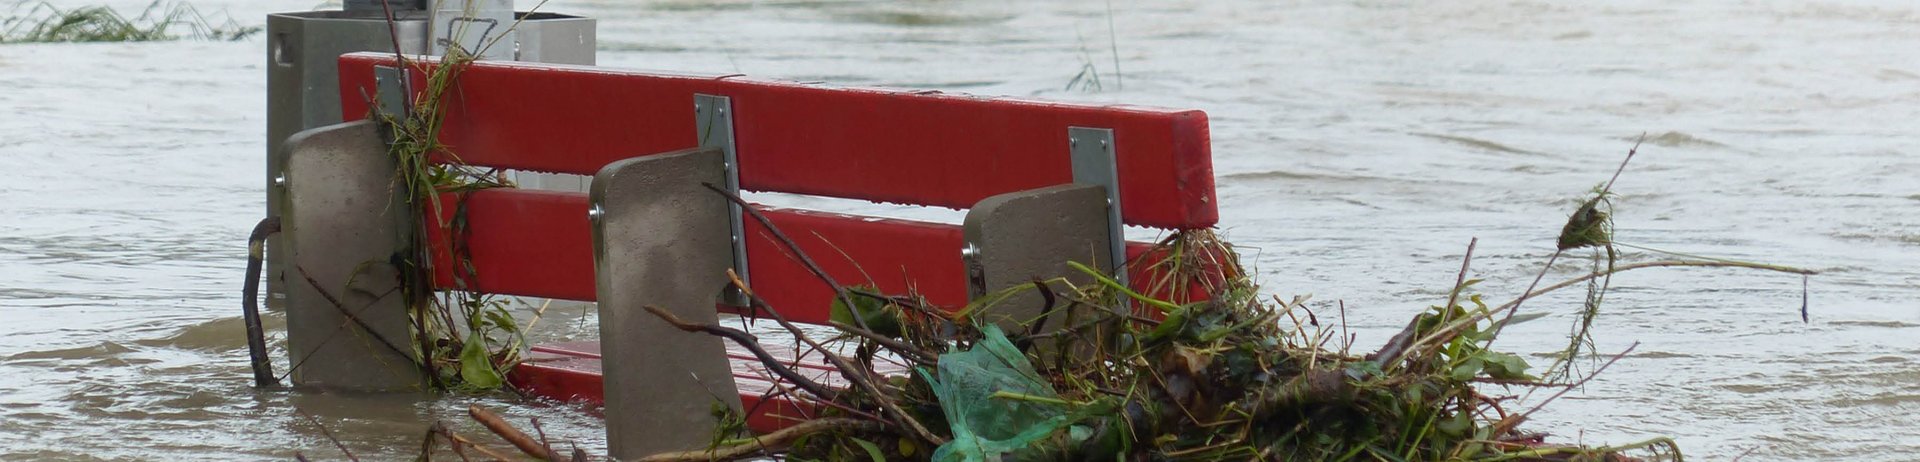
(713, 125)
(1093, 163)
(391, 83)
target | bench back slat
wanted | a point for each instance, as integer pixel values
(887, 146)
(538, 244)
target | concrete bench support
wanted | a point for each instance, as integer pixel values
(1015, 237)
(344, 223)
(661, 239)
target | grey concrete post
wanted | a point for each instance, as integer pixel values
(661, 239)
(1015, 237)
(344, 223)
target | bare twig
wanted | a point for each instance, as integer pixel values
(1604, 190)
(857, 376)
(544, 442)
(746, 340)
(1654, 264)
(348, 313)
(1390, 354)
(1450, 329)
(455, 440)
(329, 434)
(839, 291)
(1510, 421)
(910, 352)
(514, 436)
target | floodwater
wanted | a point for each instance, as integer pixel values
(1359, 146)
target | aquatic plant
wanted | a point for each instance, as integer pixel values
(466, 339)
(44, 22)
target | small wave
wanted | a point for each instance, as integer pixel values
(1478, 143)
(220, 334)
(1287, 175)
(1887, 324)
(105, 349)
(1897, 74)
(1680, 140)
(1660, 355)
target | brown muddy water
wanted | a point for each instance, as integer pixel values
(1358, 145)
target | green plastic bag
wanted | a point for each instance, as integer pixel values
(985, 428)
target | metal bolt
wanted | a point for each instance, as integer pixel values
(970, 251)
(1103, 143)
(1073, 142)
(280, 180)
(595, 212)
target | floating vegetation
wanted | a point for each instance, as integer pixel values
(44, 22)
(1221, 373)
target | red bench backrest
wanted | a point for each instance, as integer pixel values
(917, 148)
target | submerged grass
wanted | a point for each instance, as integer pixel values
(43, 22)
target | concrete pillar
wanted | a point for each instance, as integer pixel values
(1019, 236)
(344, 223)
(661, 239)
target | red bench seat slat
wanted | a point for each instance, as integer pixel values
(571, 372)
(888, 146)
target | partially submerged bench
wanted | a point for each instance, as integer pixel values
(1044, 183)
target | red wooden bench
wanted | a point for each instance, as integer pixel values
(917, 148)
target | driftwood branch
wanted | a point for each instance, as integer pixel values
(457, 442)
(771, 442)
(514, 436)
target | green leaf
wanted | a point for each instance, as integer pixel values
(1467, 369)
(502, 320)
(476, 364)
(1362, 370)
(1455, 426)
(1520, 318)
(873, 450)
(881, 317)
(1505, 366)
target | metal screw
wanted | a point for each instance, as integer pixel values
(595, 212)
(280, 180)
(1103, 143)
(1073, 142)
(970, 251)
